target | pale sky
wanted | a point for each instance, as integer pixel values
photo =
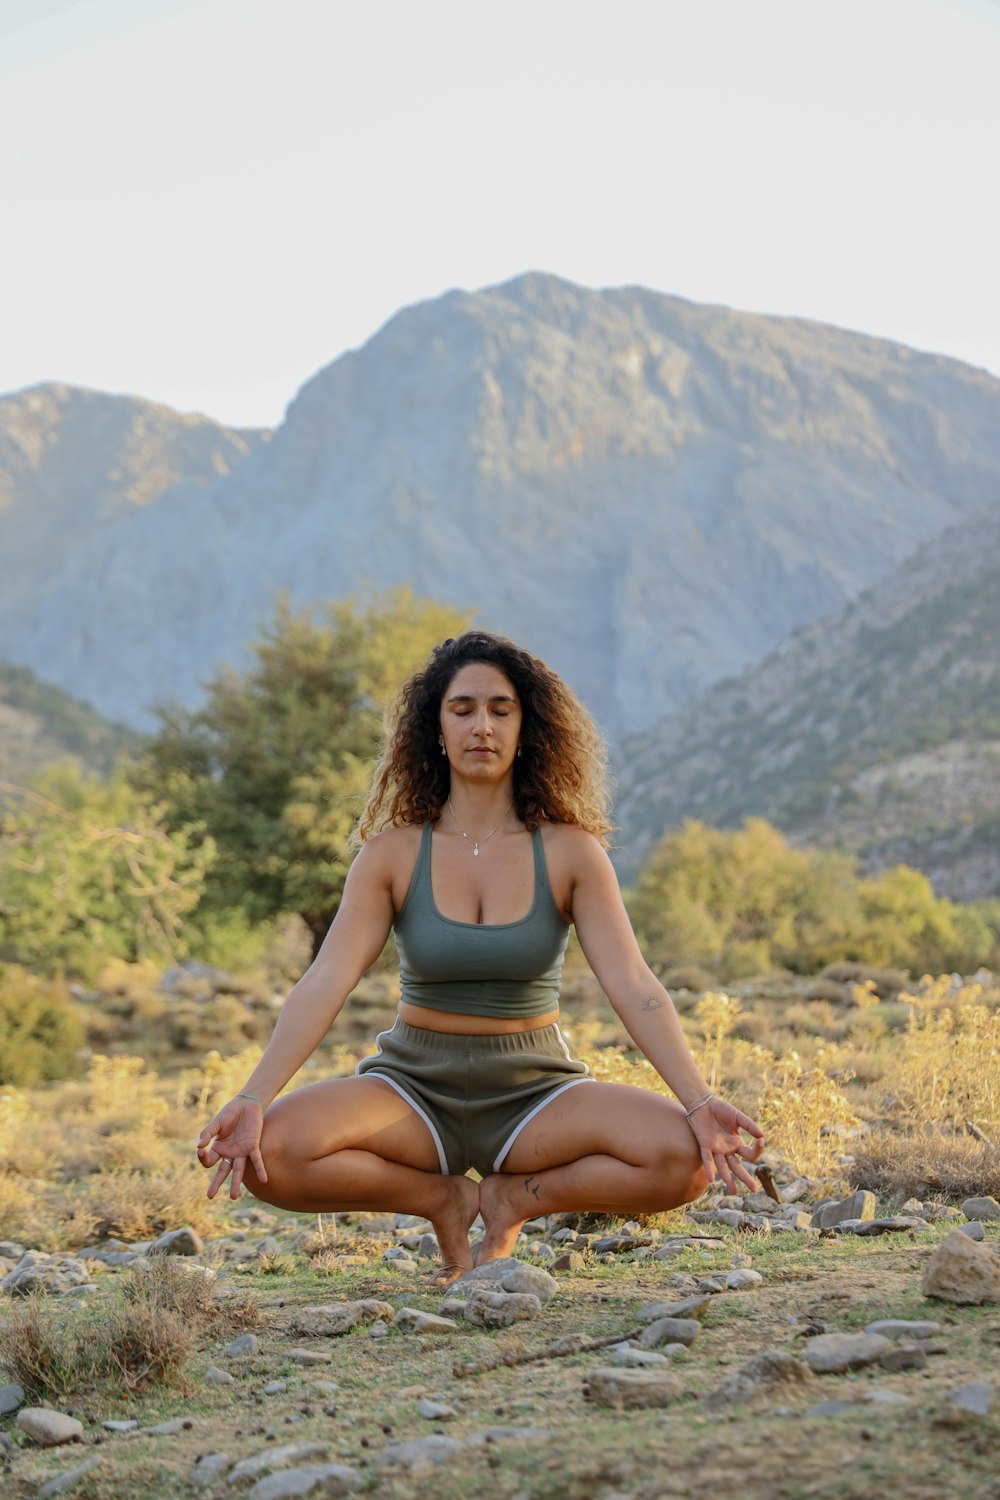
(205, 201)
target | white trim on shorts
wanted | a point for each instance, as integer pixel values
(504, 1149)
(371, 1073)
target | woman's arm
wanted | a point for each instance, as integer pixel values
(648, 1015)
(356, 937)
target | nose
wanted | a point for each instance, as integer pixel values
(482, 726)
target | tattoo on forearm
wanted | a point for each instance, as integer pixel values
(652, 1002)
(535, 1191)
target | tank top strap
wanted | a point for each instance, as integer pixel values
(541, 872)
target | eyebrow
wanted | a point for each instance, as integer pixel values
(470, 698)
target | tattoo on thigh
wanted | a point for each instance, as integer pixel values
(535, 1191)
(652, 1002)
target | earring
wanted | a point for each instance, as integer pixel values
(519, 752)
(443, 750)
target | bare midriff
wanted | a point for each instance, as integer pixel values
(457, 1024)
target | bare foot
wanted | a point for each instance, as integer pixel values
(503, 1207)
(452, 1225)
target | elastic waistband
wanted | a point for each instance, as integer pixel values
(494, 1044)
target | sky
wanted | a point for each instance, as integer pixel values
(206, 201)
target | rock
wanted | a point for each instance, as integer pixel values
(491, 1274)
(38, 1272)
(314, 1479)
(975, 1398)
(208, 1468)
(329, 1387)
(669, 1331)
(739, 1281)
(570, 1260)
(378, 1330)
(60, 1482)
(691, 1307)
(422, 1456)
(762, 1373)
(177, 1242)
(453, 1307)
(215, 1376)
(274, 1388)
(618, 1244)
(168, 1428)
(490, 1309)
(882, 1396)
(435, 1411)
(11, 1397)
(733, 1217)
(833, 1353)
(243, 1347)
(329, 1320)
(973, 1229)
(274, 1458)
(412, 1320)
(627, 1390)
(890, 1225)
(860, 1205)
(268, 1246)
(961, 1271)
(428, 1247)
(531, 1281)
(542, 1252)
(48, 1428)
(904, 1357)
(904, 1328)
(127, 1425)
(631, 1357)
(11, 1250)
(972, 1208)
(308, 1356)
(560, 1237)
(508, 1435)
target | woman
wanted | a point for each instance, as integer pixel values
(490, 787)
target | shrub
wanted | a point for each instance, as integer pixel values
(40, 1029)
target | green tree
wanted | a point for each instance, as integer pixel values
(88, 870)
(276, 763)
(41, 1032)
(908, 927)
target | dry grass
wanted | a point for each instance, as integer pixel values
(925, 1165)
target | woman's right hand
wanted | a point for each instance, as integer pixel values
(231, 1138)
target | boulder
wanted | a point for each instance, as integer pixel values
(962, 1271)
(626, 1390)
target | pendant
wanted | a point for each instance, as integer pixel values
(475, 848)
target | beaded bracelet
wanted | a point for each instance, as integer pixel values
(697, 1104)
(244, 1095)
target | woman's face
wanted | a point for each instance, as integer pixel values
(480, 722)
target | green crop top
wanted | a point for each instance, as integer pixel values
(478, 968)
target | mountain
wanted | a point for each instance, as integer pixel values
(650, 493)
(877, 730)
(40, 723)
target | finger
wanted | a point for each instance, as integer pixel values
(750, 1126)
(212, 1128)
(258, 1164)
(726, 1174)
(740, 1171)
(708, 1162)
(208, 1156)
(239, 1166)
(222, 1172)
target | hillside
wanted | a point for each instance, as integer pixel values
(877, 730)
(40, 723)
(650, 493)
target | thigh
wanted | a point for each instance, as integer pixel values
(363, 1114)
(604, 1119)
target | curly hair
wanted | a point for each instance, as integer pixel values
(560, 774)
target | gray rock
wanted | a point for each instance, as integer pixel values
(631, 1357)
(453, 1307)
(972, 1208)
(275, 1458)
(531, 1281)
(11, 1250)
(215, 1376)
(904, 1328)
(961, 1271)
(428, 1247)
(974, 1229)
(833, 1353)
(177, 1242)
(762, 1373)
(883, 1396)
(893, 1224)
(48, 1428)
(208, 1468)
(492, 1309)
(690, 1307)
(422, 1456)
(243, 1347)
(492, 1273)
(975, 1397)
(435, 1411)
(313, 1479)
(268, 1246)
(669, 1331)
(378, 1330)
(628, 1390)
(328, 1320)
(570, 1260)
(906, 1356)
(412, 1320)
(308, 1356)
(11, 1397)
(860, 1205)
(739, 1281)
(508, 1435)
(542, 1252)
(274, 1388)
(168, 1428)
(38, 1272)
(60, 1482)
(128, 1424)
(732, 1217)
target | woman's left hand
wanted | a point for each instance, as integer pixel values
(717, 1126)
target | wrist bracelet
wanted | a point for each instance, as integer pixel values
(244, 1095)
(697, 1104)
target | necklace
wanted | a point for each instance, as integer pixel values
(477, 842)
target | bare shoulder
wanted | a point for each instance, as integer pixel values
(575, 859)
(388, 859)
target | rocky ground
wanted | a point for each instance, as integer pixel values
(774, 1346)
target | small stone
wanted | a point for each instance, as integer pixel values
(669, 1331)
(831, 1408)
(883, 1396)
(493, 1271)
(904, 1357)
(268, 1246)
(275, 1388)
(178, 1242)
(169, 1427)
(313, 1479)
(428, 1248)
(508, 1435)
(489, 1309)
(378, 1330)
(860, 1205)
(973, 1229)
(833, 1353)
(326, 1387)
(435, 1411)
(128, 1425)
(330, 1320)
(241, 1348)
(453, 1307)
(981, 1208)
(631, 1357)
(215, 1376)
(531, 1281)
(308, 1356)
(975, 1397)
(422, 1456)
(961, 1271)
(275, 1458)
(412, 1320)
(11, 1397)
(739, 1281)
(628, 1390)
(570, 1260)
(691, 1307)
(60, 1482)
(762, 1373)
(732, 1217)
(208, 1468)
(896, 1224)
(48, 1428)
(904, 1328)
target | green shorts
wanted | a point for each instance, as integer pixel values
(475, 1094)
